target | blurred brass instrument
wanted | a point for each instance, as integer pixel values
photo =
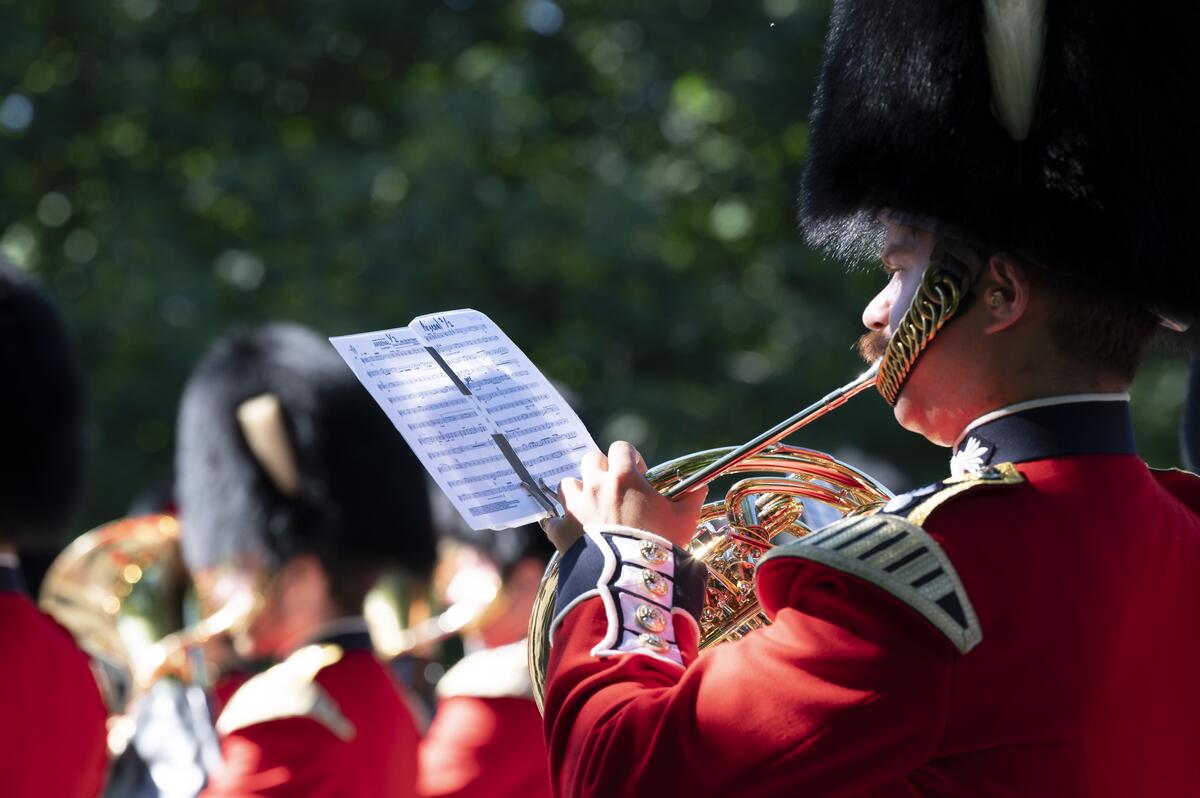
(119, 589)
(757, 513)
(474, 595)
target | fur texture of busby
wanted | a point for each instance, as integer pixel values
(1059, 131)
(41, 416)
(358, 496)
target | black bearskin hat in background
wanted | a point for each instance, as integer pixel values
(504, 547)
(41, 416)
(360, 497)
(1092, 172)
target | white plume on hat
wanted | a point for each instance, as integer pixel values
(1015, 35)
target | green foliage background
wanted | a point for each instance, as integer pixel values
(613, 182)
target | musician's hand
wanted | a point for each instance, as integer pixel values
(614, 490)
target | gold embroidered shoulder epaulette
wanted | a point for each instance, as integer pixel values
(288, 690)
(892, 551)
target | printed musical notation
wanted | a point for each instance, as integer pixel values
(451, 383)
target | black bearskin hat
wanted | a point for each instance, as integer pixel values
(1060, 131)
(41, 416)
(356, 496)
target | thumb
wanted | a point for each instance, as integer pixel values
(562, 531)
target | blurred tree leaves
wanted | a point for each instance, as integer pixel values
(612, 182)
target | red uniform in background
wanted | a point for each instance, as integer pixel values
(486, 738)
(327, 722)
(53, 739)
(1026, 631)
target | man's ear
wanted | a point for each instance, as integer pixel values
(1005, 292)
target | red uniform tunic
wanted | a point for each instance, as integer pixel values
(327, 722)
(1075, 599)
(486, 738)
(52, 744)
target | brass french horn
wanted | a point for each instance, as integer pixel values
(758, 512)
(120, 591)
(763, 511)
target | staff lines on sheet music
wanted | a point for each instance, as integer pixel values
(389, 340)
(472, 382)
(562, 469)
(387, 371)
(483, 444)
(486, 492)
(447, 419)
(388, 354)
(450, 437)
(547, 441)
(454, 352)
(434, 372)
(433, 408)
(490, 476)
(426, 394)
(520, 386)
(541, 397)
(433, 335)
(525, 433)
(537, 412)
(468, 464)
(465, 362)
(494, 507)
(459, 389)
(546, 458)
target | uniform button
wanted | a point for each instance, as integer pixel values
(652, 642)
(654, 583)
(651, 618)
(654, 553)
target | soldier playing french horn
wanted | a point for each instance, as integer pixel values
(1027, 170)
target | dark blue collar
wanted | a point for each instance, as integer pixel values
(1037, 433)
(10, 580)
(349, 641)
(350, 634)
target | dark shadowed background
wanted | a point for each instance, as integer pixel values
(613, 182)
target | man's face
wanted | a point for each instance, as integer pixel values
(936, 401)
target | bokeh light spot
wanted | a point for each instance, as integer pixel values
(16, 112)
(780, 9)
(54, 209)
(544, 17)
(730, 220)
(389, 186)
(19, 245)
(240, 269)
(80, 246)
(139, 10)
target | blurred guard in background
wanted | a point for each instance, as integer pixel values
(52, 742)
(486, 737)
(295, 493)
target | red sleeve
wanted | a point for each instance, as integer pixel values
(279, 758)
(484, 748)
(846, 690)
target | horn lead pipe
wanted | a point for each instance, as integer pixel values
(831, 401)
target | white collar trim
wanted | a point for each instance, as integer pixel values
(10, 560)
(1048, 401)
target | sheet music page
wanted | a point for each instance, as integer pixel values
(475, 410)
